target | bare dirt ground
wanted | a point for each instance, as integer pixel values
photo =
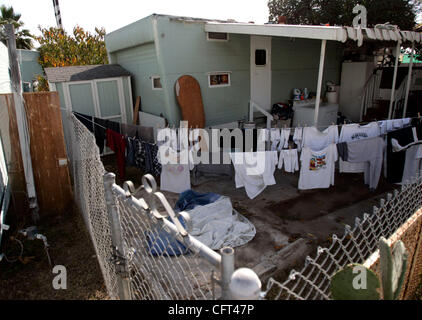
(30, 278)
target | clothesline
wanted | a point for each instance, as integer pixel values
(285, 127)
(345, 124)
(91, 120)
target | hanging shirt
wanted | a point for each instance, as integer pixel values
(317, 168)
(369, 152)
(285, 137)
(396, 160)
(275, 138)
(117, 143)
(355, 132)
(297, 138)
(175, 175)
(317, 140)
(412, 165)
(254, 171)
(290, 159)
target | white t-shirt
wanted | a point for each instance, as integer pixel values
(275, 138)
(290, 159)
(354, 132)
(254, 171)
(317, 140)
(317, 168)
(175, 175)
(285, 137)
(297, 138)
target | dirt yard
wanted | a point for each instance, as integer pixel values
(30, 278)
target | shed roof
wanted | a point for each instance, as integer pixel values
(85, 73)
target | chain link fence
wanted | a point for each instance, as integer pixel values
(145, 252)
(356, 245)
(87, 174)
(142, 246)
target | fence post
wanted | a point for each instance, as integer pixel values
(227, 269)
(120, 252)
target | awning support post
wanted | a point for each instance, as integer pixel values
(409, 81)
(320, 76)
(393, 88)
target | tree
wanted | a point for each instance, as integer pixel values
(59, 49)
(340, 12)
(23, 36)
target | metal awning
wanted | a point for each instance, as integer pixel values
(324, 33)
(341, 34)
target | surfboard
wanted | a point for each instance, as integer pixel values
(189, 98)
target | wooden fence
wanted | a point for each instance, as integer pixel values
(48, 152)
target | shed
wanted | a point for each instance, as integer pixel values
(29, 67)
(103, 91)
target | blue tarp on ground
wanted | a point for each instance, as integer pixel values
(162, 243)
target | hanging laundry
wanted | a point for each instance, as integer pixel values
(290, 159)
(134, 131)
(100, 127)
(395, 124)
(275, 138)
(297, 138)
(152, 162)
(355, 132)
(117, 143)
(131, 149)
(369, 152)
(254, 171)
(396, 160)
(317, 140)
(412, 165)
(86, 120)
(285, 137)
(168, 137)
(317, 168)
(175, 175)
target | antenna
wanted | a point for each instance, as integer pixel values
(57, 14)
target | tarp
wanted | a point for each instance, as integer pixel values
(218, 225)
(213, 221)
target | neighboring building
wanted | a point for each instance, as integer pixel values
(159, 49)
(4, 70)
(103, 91)
(29, 67)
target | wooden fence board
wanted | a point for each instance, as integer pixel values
(48, 152)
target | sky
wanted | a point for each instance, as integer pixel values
(113, 15)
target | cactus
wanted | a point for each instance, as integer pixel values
(345, 283)
(393, 268)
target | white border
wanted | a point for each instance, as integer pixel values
(152, 83)
(209, 74)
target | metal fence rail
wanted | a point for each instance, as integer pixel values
(355, 246)
(145, 251)
(143, 247)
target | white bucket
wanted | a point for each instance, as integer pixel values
(332, 97)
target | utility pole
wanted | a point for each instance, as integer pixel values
(58, 14)
(21, 119)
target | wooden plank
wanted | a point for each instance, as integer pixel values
(52, 180)
(10, 138)
(136, 111)
(47, 150)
